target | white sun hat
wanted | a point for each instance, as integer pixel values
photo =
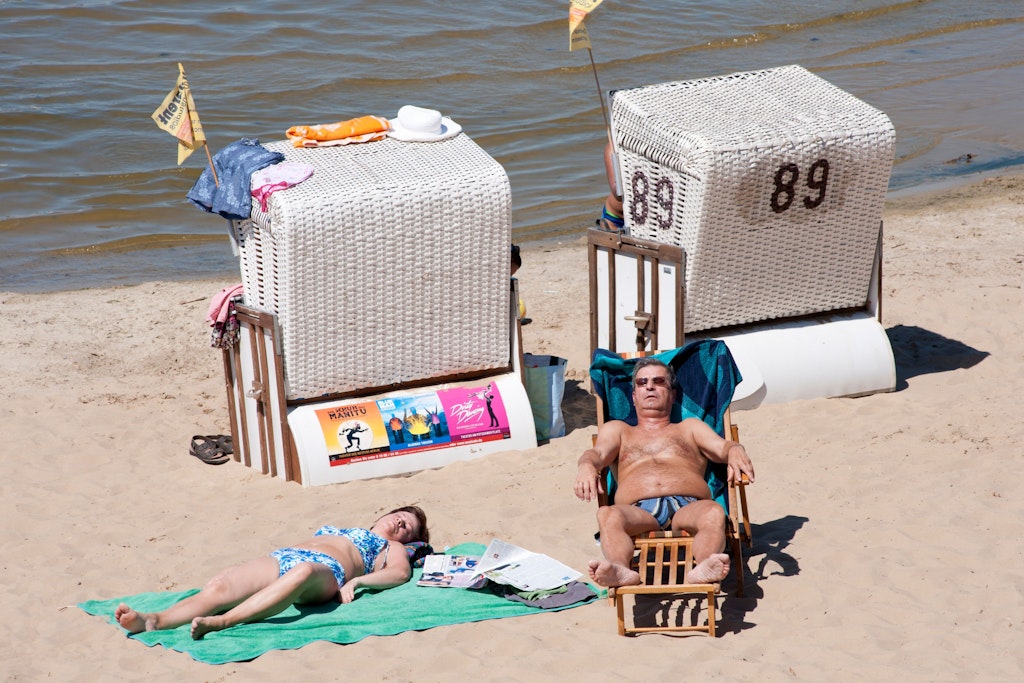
(416, 124)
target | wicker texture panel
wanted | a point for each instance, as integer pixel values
(772, 181)
(389, 265)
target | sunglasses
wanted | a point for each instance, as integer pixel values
(657, 381)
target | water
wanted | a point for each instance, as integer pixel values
(90, 193)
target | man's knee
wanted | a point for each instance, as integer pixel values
(701, 516)
(712, 517)
(610, 517)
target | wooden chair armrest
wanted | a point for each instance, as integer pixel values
(738, 512)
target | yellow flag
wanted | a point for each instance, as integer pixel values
(177, 115)
(578, 38)
(578, 11)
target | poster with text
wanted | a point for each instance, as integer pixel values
(475, 413)
(414, 422)
(353, 432)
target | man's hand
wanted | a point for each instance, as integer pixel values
(588, 483)
(738, 462)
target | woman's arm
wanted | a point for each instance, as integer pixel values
(396, 572)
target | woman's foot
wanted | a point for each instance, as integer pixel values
(203, 625)
(134, 622)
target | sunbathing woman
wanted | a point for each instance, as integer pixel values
(329, 566)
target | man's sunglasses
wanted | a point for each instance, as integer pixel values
(658, 381)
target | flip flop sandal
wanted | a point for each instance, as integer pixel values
(224, 443)
(207, 449)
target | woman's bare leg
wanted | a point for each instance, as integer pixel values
(303, 583)
(224, 591)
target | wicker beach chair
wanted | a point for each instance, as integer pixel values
(707, 376)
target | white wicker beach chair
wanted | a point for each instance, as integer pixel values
(771, 181)
(388, 266)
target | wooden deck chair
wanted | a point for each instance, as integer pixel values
(707, 376)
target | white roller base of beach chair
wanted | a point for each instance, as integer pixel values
(828, 357)
(326, 456)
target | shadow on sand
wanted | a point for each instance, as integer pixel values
(767, 558)
(922, 352)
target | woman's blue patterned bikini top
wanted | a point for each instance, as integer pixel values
(366, 542)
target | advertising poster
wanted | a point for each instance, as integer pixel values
(475, 413)
(414, 422)
(353, 432)
(400, 425)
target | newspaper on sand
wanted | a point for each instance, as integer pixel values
(502, 563)
(511, 565)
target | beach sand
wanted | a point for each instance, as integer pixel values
(887, 527)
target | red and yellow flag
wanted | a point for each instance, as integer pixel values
(578, 11)
(177, 115)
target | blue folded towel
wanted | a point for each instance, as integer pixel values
(235, 165)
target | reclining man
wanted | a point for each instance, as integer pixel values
(660, 481)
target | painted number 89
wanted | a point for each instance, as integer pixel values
(786, 179)
(655, 202)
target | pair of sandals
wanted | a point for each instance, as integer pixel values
(213, 450)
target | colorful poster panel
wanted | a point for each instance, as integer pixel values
(414, 422)
(475, 413)
(357, 432)
(353, 432)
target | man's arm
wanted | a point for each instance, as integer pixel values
(716, 449)
(593, 460)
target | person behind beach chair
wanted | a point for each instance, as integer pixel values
(661, 479)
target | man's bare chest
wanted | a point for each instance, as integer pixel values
(644, 447)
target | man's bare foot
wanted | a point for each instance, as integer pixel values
(611, 575)
(203, 625)
(132, 621)
(711, 570)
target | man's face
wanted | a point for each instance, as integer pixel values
(652, 388)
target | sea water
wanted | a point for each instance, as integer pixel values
(91, 193)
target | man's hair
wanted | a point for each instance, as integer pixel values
(647, 362)
(420, 516)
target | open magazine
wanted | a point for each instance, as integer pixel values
(451, 571)
(502, 563)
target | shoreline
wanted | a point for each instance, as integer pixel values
(207, 255)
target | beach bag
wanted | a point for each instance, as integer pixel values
(545, 387)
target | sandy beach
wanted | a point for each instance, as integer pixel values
(886, 527)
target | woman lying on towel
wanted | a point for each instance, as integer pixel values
(330, 566)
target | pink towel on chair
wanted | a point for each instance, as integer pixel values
(218, 312)
(269, 180)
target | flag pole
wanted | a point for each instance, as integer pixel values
(206, 145)
(600, 95)
(209, 158)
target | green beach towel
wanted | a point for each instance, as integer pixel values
(382, 613)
